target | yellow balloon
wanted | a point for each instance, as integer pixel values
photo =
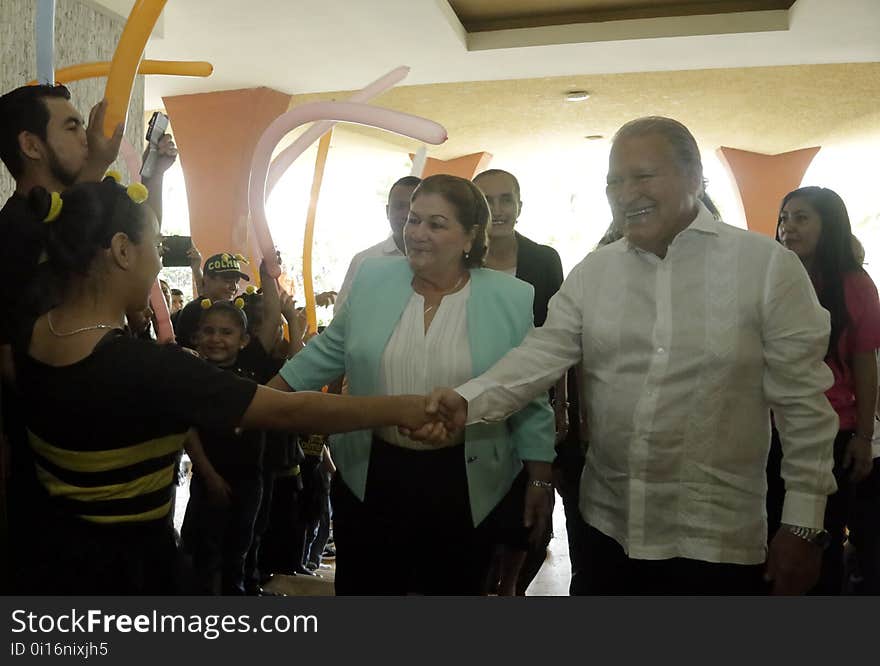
(126, 59)
(309, 235)
(93, 70)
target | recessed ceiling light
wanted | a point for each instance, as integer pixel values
(577, 96)
(594, 137)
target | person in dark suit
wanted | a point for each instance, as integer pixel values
(540, 266)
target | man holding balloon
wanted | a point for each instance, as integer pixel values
(43, 143)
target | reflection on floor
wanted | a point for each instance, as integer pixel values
(553, 578)
(302, 586)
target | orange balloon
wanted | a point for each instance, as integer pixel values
(126, 59)
(92, 70)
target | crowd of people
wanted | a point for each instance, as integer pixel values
(702, 398)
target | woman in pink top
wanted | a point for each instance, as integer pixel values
(814, 224)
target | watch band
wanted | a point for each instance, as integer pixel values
(817, 536)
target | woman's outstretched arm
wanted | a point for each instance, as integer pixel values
(327, 413)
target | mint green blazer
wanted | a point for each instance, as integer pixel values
(499, 314)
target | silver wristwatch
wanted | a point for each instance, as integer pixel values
(815, 535)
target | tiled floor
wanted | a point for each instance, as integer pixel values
(552, 579)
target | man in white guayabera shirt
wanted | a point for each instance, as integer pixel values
(691, 332)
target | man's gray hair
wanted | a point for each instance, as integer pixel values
(683, 143)
(684, 146)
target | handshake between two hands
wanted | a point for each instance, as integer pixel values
(439, 417)
(436, 418)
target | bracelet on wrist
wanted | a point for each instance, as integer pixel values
(537, 483)
(817, 536)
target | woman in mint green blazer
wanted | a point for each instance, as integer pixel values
(432, 318)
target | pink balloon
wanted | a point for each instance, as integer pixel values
(414, 127)
(165, 334)
(288, 156)
(132, 160)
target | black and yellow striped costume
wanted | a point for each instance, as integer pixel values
(105, 432)
(131, 483)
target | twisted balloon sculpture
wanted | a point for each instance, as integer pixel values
(126, 59)
(92, 70)
(120, 74)
(415, 127)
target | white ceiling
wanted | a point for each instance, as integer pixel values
(300, 46)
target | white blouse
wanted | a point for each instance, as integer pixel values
(416, 361)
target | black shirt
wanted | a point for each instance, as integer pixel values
(186, 325)
(28, 284)
(234, 452)
(27, 295)
(105, 431)
(540, 266)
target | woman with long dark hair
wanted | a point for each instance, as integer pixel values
(814, 224)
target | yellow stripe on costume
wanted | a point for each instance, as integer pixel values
(153, 514)
(108, 459)
(141, 486)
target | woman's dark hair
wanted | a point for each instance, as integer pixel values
(233, 309)
(470, 206)
(834, 256)
(253, 309)
(90, 215)
(406, 181)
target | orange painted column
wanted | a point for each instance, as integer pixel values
(466, 166)
(762, 181)
(216, 134)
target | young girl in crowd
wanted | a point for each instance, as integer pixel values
(226, 487)
(814, 224)
(107, 414)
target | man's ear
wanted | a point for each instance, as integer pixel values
(698, 182)
(30, 145)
